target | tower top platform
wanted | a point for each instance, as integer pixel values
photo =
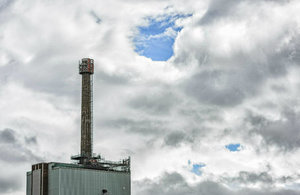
(86, 65)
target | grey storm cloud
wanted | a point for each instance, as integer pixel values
(229, 78)
(283, 132)
(53, 78)
(113, 79)
(13, 150)
(201, 115)
(9, 184)
(175, 184)
(7, 136)
(5, 4)
(143, 127)
(176, 138)
(215, 87)
(31, 140)
(231, 86)
(96, 17)
(159, 103)
(220, 9)
(243, 76)
(245, 177)
(6, 73)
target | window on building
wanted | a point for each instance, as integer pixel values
(104, 192)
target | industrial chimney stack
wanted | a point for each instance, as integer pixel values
(86, 69)
(91, 174)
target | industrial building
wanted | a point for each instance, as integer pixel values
(90, 174)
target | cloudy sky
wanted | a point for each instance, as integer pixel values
(203, 95)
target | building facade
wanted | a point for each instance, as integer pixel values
(74, 179)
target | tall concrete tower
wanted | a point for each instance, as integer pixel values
(86, 69)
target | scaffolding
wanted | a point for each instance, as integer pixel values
(98, 162)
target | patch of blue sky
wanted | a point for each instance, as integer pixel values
(156, 39)
(234, 147)
(196, 168)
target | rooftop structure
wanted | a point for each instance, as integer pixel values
(71, 179)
